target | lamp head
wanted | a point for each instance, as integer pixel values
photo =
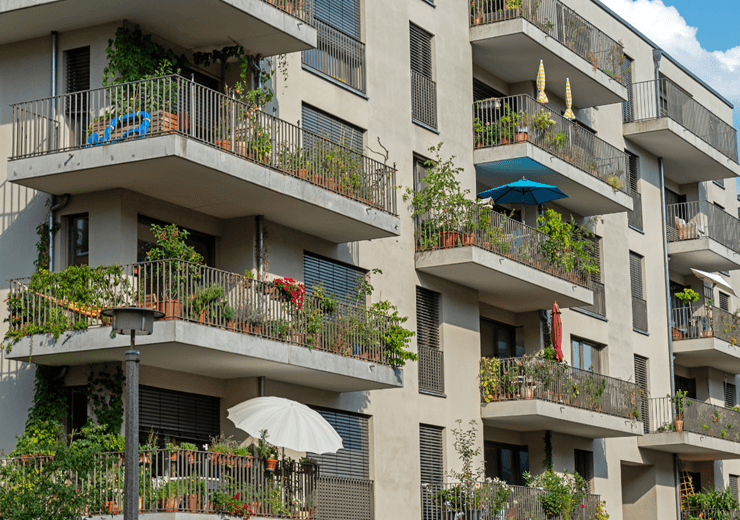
(133, 319)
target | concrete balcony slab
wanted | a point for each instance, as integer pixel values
(702, 253)
(691, 446)
(708, 352)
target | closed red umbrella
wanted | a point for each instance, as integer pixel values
(557, 332)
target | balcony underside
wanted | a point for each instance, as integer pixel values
(702, 253)
(537, 415)
(686, 158)
(193, 175)
(512, 50)
(708, 352)
(203, 25)
(588, 195)
(502, 282)
(691, 446)
(207, 351)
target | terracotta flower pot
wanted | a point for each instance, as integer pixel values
(192, 503)
(110, 507)
(270, 464)
(449, 238)
(679, 426)
(170, 504)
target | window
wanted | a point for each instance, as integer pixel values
(720, 183)
(178, 416)
(730, 395)
(687, 385)
(431, 450)
(584, 466)
(628, 107)
(431, 357)
(77, 78)
(423, 87)
(509, 463)
(340, 14)
(481, 91)
(77, 404)
(203, 243)
(339, 279)
(79, 240)
(734, 487)
(642, 381)
(586, 355)
(639, 305)
(499, 340)
(724, 301)
(352, 461)
(332, 128)
(634, 217)
(671, 197)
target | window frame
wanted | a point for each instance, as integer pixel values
(598, 348)
(72, 236)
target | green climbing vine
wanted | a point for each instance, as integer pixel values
(49, 398)
(133, 56)
(105, 390)
(42, 246)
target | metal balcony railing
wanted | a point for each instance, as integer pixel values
(345, 498)
(562, 24)
(521, 119)
(423, 99)
(634, 217)
(698, 321)
(514, 379)
(178, 480)
(202, 295)
(599, 306)
(175, 105)
(710, 514)
(478, 226)
(639, 314)
(338, 55)
(697, 417)
(663, 98)
(301, 9)
(480, 502)
(431, 370)
(702, 219)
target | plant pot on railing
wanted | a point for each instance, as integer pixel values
(169, 504)
(449, 238)
(270, 464)
(192, 503)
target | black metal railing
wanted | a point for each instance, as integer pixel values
(521, 119)
(634, 216)
(702, 219)
(301, 9)
(514, 379)
(478, 226)
(202, 295)
(345, 498)
(431, 370)
(175, 105)
(697, 417)
(338, 55)
(599, 306)
(485, 501)
(560, 23)
(639, 314)
(663, 98)
(423, 99)
(699, 321)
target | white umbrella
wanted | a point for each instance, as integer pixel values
(715, 280)
(289, 424)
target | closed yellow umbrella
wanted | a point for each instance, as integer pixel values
(568, 101)
(541, 97)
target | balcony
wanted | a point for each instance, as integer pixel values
(695, 144)
(265, 27)
(702, 236)
(217, 324)
(183, 143)
(481, 501)
(517, 136)
(510, 37)
(534, 394)
(176, 480)
(707, 432)
(706, 337)
(509, 263)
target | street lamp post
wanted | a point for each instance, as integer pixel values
(130, 320)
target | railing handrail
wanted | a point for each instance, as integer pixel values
(306, 13)
(701, 219)
(698, 417)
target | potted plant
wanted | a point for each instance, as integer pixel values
(266, 451)
(687, 296)
(195, 489)
(150, 446)
(222, 449)
(679, 404)
(189, 450)
(168, 499)
(709, 332)
(485, 133)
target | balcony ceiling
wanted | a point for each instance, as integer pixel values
(512, 50)
(704, 254)
(200, 25)
(207, 351)
(502, 282)
(588, 195)
(686, 158)
(203, 178)
(536, 415)
(707, 352)
(691, 446)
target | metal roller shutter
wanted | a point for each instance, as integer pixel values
(338, 279)
(183, 415)
(352, 461)
(584, 466)
(421, 51)
(730, 395)
(636, 275)
(427, 318)
(77, 78)
(628, 107)
(341, 14)
(482, 91)
(431, 451)
(642, 381)
(333, 129)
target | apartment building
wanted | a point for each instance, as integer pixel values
(647, 162)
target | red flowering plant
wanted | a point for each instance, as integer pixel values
(294, 291)
(232, 505)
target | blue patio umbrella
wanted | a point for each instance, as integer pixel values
(523, 192)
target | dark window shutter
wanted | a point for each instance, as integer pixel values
(636, 275)
(77, 69)
(632, 170)
(724, 301)
(427, 318)
(421, 51)
(642, 381)
(687, 385)
(338, 279)
(341, 14)
(332, 128)
(734, 487)
(628, 107)
(671, 197)
(186, 416)
(352, 461)
(730, 395)
(584, 466)
(482, 91)
(431, 450)
(596, 240)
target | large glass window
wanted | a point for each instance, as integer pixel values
(500, 340)
(586, 355)
(79, 240)
(507, 462)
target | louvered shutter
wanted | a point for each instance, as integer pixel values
(636, 275)
(333, 129)
(641, 379)
(724, 301)
(584, 466)
(632, 171)
(432, 454)
(423, 87)
(634, 217)
(730, 395)
(192, 417)
(340, 14)
(596, 241)
(481, 91)
(671, 197)
(734, 487)
(352, 461)
(421, 51)
(338, 279)
(427, 318)
(77, 78)
(628, 107)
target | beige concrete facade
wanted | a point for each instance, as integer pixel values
(634, 473)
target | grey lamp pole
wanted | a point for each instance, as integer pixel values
(130, 320)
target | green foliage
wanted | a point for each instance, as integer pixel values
(223, 444)
(688, 296)
(263, 449)
(49, 397)
(171, 244)
(97, 439)
(679, 402)
(465, 446)
(42, 246)
(395, 338)
(564, 494)
(41, 437)
(568, 246)
(105, 392)
(721, 503)
(132, 56)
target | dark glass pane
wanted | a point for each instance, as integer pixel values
(79, 240)
(508, 469)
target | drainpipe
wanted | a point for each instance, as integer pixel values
(259, 246)
(56, 207)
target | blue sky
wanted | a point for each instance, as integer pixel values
(717, 22)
